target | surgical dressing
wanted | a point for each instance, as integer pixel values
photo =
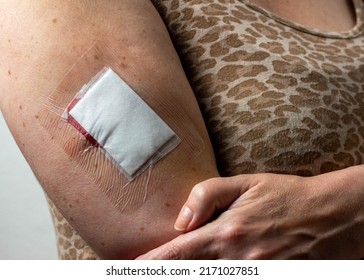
(128, 138)
(113, 116)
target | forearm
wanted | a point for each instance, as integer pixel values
(272, 216)
(36, 60)
(339, 197)
(348, 181)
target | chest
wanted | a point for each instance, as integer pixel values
(274, 99)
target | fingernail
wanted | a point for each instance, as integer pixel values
(184, 219)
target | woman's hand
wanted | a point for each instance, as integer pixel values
(269, 216)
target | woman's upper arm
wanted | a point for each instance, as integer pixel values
(40, 50)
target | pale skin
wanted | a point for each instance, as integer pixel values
(34, 62)
(313, 13)
(263, 215)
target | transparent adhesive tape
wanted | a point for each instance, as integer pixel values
(118, 134)
(112, 116)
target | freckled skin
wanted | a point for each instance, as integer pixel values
(41, 67)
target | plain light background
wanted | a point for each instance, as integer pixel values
(26, 228)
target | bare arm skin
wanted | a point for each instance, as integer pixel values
(272, 216)
(41, 41)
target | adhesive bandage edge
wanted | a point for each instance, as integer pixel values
(111, 115)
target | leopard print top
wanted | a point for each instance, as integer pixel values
(276, 96)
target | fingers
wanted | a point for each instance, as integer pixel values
(208, 197)
(193, 245)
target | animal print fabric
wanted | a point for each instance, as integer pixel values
(70, 244)
(276, 96)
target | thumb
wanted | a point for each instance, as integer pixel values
(208, 197)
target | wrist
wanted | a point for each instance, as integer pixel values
(337, 199)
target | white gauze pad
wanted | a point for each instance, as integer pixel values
(111, 115)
